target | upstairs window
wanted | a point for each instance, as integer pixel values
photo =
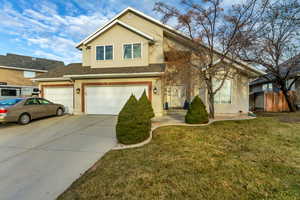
(104, 52)
(29, 74)
(132, 51)
(223, 96)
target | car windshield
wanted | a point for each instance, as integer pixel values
(10, 102)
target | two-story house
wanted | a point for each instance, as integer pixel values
(127, 56)
(16, 72)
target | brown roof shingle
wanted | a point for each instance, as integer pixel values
(78, 69)
(20, 61)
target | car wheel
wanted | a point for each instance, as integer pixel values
(24, 119)
(59, 112)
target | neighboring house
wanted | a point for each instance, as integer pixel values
(127, 56)
(16, 72)
(265, 96)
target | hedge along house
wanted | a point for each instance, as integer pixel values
(127, 56)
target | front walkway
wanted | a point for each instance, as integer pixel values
(178, 119)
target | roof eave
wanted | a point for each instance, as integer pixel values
(115, 75)
(23, 69)
(50, 79)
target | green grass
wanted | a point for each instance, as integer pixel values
(253, 159)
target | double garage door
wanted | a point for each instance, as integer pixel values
(105, 100)
(109, 100)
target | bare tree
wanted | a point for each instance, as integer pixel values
(213, 32)
(273, 40)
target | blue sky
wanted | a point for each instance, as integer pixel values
(50, 29)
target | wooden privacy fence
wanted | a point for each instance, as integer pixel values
(275, 101)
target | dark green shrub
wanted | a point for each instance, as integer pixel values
(129, 106)
(196, 113)
(146, 106)
(133, 125)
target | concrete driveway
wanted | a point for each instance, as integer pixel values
(40, 160)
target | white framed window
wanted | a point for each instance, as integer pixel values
(223, 96)
(104, 52)
(133, 50)
(29, 74)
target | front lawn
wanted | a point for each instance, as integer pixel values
(250, 159)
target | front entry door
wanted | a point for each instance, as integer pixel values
(177, 96)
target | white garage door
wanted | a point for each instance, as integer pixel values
(109, 100)
(61, 95)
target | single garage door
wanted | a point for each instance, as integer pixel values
(109, 100)
(61, 95)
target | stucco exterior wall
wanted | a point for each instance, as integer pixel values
(155, 51)
(118, 36)
(239, 97)
(16, 77)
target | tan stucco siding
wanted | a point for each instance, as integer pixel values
(16, 77)
(155, 51)
(239, 97)
(86, 56)
(118, 36)
(170, 44)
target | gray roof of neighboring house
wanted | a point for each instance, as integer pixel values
(295, 61)
(78, 69)
(27, 62)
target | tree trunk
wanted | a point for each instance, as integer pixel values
(211, 106)
(288, 99)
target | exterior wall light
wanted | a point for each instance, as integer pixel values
(155, 90)
(77, 90)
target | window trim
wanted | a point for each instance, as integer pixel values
(231, 92)
(113, 52)
(26, 71)
(132, 58)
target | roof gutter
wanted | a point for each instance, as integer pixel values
(145, 74)
(50, 79)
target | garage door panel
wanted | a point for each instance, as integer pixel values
(60, 95)
(110, 99)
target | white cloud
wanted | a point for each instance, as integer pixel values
(49, 31)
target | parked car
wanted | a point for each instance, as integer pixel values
(23, 110)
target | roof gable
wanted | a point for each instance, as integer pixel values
(118, 22)
(129, 9)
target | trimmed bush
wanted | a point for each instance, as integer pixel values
(196, 113)
(146, 105)
(133, 125)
